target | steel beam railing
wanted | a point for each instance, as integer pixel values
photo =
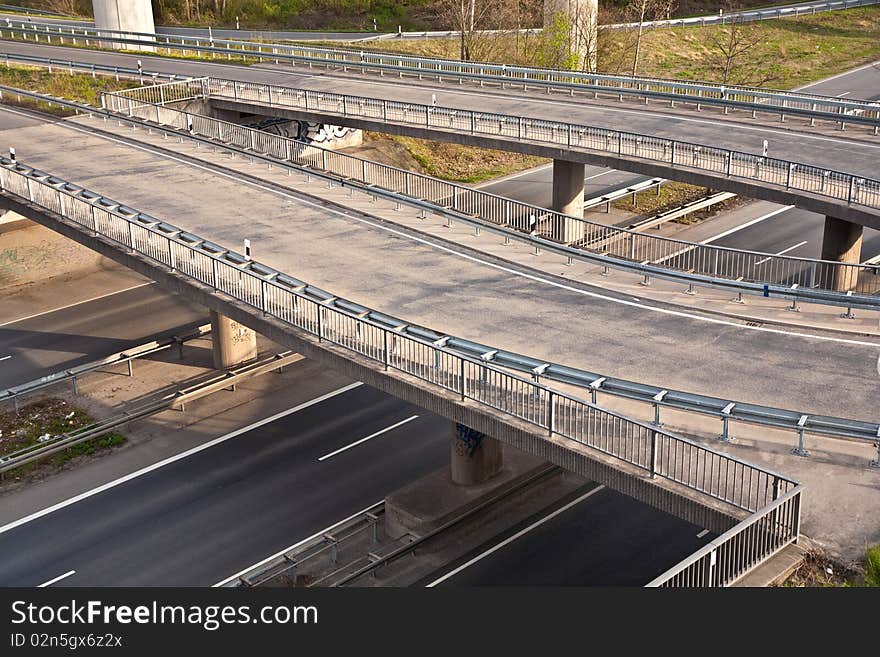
(787, 277)
(751, 99)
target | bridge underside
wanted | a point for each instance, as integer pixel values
(659, 493)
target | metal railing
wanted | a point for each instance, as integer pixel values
(725, 410)
(696, 259)
(647, 447)
(750, 15)
(726, 559)
(656, 452)
(752, 99)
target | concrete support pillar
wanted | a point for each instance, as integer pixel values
(123, 16)
(571, 26)
(476, 457)
(568, 198)
(232, 343)
(842, 242)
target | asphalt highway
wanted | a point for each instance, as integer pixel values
(794, 231)
(596, 537)
(39, 345)
(205, 517)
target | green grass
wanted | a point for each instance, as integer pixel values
(79, 87)
(49, 417)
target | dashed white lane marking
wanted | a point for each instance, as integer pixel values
(702, 533)
(783, 252)
(173, 459)
(519, 534)
(56, 579)
(370, 437)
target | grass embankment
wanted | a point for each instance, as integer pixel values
(38, 422)
(819, 570)
(79, 87)
(673, 195)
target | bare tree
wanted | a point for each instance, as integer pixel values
(483, 25)
(638, 13)
(735, 56)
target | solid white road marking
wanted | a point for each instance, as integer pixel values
(458, 254)
(747, 224)
(295, 545)
(56, 579)
(838, 75)
(702, 533)
(783, 252)
(71, 305)
(2, 358)
(519, 534)
(370, 437)
(173, 459)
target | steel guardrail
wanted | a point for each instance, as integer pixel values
(752, 99)
(813, 278)
(775, 172)
(362, 336)
(175, 399)
(725, 410)
(15, 392)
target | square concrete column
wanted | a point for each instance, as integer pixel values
(475, 456)
(842, 242)
(568, 198)
(232, 343)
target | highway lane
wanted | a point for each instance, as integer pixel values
(859, 151)
(595, 537)
(205, 517)
(70, 336)
(799, 232)
(200, 519)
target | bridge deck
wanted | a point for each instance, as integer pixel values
(378, 266)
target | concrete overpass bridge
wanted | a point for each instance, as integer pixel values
(756, 511)
(658, 142)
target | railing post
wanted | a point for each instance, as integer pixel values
(386, 358)
(461, 375)
(653, 453)
(551, 413)
(320, 323)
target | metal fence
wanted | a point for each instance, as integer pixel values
(733, 554)
(701, 259)
(753, 99)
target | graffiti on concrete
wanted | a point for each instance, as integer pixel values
(471, 439)
(307, 131)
